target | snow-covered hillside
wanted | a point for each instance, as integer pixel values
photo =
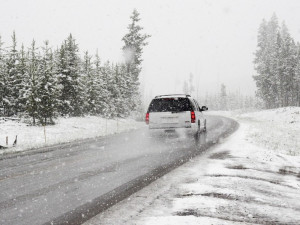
(252, 177)
(65, 130)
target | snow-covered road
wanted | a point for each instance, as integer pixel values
(253, 177)
(75, 182)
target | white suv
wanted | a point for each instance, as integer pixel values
(176, 111)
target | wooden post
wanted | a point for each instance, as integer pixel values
(16, 141)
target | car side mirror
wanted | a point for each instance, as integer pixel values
(203, 108)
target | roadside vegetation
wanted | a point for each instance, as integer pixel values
(42, 83)
(277, 63)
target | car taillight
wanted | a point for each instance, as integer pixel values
(147, 118)
(193, 117)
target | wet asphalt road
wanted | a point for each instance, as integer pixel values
(71, 183)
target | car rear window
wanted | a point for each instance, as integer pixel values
(170, 105)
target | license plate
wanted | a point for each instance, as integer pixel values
(170, 120)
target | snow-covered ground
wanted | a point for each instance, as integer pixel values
(274, 129)
(253, 177)
(65, 130)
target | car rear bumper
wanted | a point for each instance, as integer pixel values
(170, 126)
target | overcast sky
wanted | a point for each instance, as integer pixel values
(213, 40)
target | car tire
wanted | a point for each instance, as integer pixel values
(199, 127)
(204, 129)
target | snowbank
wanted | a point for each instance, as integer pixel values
(65, 130)
(274, 129)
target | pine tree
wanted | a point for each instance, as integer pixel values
(273, 29)
(71, 99)
(2, 78)
(114, 92)
(119, 90)
(266, 62)
(101, 87)
(134, 42)
(12, 80)
(109, 90)
(77, 89)
(124, 85)
(90, 81)
(24, 77)
(62, 79)
(47, 89)
(260, 62)
(32, 96)
(279, 77)
(288, 57)
(297, 77)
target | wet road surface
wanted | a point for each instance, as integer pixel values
(71, 183)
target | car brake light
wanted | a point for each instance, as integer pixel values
(193, 117)
(147, 118)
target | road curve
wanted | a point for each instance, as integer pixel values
(69, 184)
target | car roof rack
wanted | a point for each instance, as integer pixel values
(185, 95)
